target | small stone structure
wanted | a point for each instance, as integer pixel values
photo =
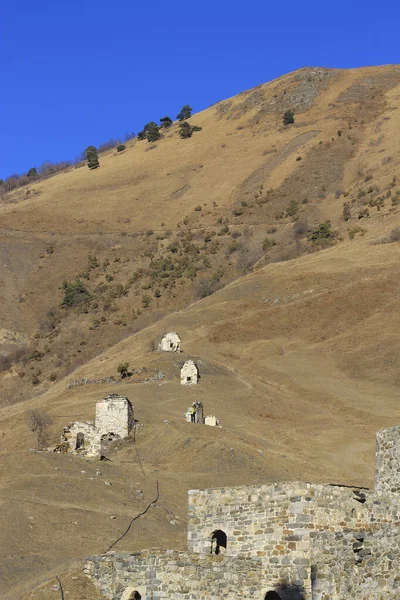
(195, 414)
(189, 373)
(282, 541)
(114, 419)
(171, 342)
(211, 421)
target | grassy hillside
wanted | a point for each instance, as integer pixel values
(297, 350)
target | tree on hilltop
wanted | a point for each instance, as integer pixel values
(288, 117)
(186, 113)
(33, 173)
(166, 122)
(152, 132)
(92, 157)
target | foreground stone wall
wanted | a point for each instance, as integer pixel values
(277, 519)
(360, 565)
(159, 575)
(387, 474)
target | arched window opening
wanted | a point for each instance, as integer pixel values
(135, 596)
(80, 441)
(218, 541)
(272, 596)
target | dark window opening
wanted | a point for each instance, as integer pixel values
(359, 496)
(171, 345)
(80, 441)
(218, 541)
(272, 596)
(188, 379)
(134, 596)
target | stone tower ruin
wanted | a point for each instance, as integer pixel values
(114, 419)
(114, 415)
(276, 541)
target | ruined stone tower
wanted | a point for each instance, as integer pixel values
(114, 415)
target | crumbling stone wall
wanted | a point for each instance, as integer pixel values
(87, 433)
(349, 565)
(171, 342)
(160, 575)
(327, 542)
(387, 474)
(114, 414)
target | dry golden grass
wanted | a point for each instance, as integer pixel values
(299, 359)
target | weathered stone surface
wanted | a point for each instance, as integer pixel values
(307, 542)
(170, 342)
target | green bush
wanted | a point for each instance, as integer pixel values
(146, 300)
(322, 233)
(75, 294)
(292, 209)
(288, 117)
(185, 130)
(121, 148)
(123, 369)
(92, 157)
(166, 122)
(185, 113)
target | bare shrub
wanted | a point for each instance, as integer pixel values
(300, 228)
(38, 423)
(207, 286)
(5, 363)
(394, 235)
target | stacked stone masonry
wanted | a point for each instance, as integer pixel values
(300, 540)
(114, 419)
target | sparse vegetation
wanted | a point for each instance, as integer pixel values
(185, 113)
(75, 294)
(121, 147)
(92, 157)
(346, 211)
(288, 117)
(39, 423)
(322, 233)
(166, 122)
(123, 369)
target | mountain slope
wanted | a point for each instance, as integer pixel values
(298, 358)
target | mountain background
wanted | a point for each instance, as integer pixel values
(271, 249)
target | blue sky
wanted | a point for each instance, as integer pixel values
(78, 73)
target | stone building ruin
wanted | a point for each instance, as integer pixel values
(279, 541)
(170, 342)
(113, 419)
(195, 414)
(189, 373)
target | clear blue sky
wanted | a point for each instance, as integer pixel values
(77, 73)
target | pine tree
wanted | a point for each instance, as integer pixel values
(152, 132)
(32, 173)
(185, 131)
(288, 117)
(166, 122)
(91, 157)
(185, 113)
